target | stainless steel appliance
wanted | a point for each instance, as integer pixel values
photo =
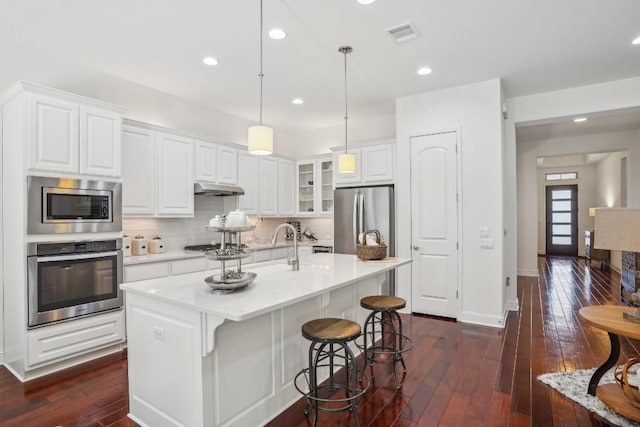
(358, 209)
(65, 205)
(71, 279)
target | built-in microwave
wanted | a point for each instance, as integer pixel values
(67, 205)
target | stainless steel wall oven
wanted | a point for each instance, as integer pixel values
(66, 205)
(71, 279)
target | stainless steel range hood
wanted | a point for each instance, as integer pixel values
(217, 189)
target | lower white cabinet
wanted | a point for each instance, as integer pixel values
(151, 270)
(54, 343)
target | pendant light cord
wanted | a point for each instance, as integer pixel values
(346, 115)
(261, 75)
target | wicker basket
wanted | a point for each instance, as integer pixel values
(370, 252)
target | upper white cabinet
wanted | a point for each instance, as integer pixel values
(314, 183)
(216, 163)
(268, 184)
(374, 165)
(286, 191)
(157, 171)
(248, 181)
(72, 134)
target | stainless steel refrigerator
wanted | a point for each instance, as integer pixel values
(359, 209)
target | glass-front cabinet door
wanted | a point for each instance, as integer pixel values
(306, 187)
(315, 186)
(326, 172)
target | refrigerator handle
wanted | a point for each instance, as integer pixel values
(355, 218)
(361, 212)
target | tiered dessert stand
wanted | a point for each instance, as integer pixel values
(233, 278)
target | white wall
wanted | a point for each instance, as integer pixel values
(586, 187)
(474, 110)
(607, 96)
(607, 191)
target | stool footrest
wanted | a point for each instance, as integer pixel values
(350, 393)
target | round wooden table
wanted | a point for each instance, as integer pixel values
(610, 318)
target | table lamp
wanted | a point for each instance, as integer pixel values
(619, 229)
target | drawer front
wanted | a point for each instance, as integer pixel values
(280, 253)
(59, 342)
(133, 273)
(188, 265)
(263, 255)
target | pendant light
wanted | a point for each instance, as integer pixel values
(260, 137)
(346, 161)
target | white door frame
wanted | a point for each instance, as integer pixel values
(459, 210)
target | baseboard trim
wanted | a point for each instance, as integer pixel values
(528, 273)
(482, 319)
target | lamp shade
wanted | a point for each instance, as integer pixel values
(617, 229)
(260, 140)
(347, 163)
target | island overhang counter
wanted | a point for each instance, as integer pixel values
(202, 359)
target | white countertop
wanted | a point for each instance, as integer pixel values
(174, 255)
(275, 286)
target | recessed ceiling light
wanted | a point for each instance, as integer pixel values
(580, 119)
(297, 101)
(366, 2)
(277, 34)
(636, 40)
(423, 71)
(210, 60)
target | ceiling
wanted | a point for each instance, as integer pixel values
(533, 46)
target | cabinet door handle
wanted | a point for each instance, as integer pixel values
(417, 248)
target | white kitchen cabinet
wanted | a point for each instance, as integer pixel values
(53, 142)
(100, 142)
(157, 173)
(175, 172)
(61, 341)
(248, 181)
(138, 171)
(150, 270)
(67, 135)
(374, 165)
(216, 163)
(286, 198)
(314, 183)
(377, 163)
(268, 185)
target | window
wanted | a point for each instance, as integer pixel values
(561, 176)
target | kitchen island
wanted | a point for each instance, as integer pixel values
(203, 359)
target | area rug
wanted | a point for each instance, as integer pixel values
(574, 386)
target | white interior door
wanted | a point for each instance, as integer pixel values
(434, 224)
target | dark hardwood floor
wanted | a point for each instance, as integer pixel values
(459, 374)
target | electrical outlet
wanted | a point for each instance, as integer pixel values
(158, 333)
(486, 243)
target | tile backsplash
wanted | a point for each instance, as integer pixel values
(176, 233)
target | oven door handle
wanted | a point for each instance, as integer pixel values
(76, 257)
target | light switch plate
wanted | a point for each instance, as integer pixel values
(484, 231)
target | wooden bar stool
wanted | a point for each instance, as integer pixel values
(384, 341)
(329, 348)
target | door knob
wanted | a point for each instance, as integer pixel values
(416, 248)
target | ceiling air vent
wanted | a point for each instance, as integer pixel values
(403, 32)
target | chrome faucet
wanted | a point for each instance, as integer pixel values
(293, 262)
